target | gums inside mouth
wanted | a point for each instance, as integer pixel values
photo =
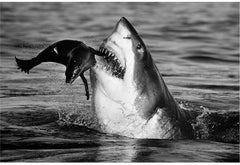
(112, 63)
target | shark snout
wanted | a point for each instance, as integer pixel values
(124, 27)
(124, 22)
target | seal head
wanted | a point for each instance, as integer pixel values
(80, 59)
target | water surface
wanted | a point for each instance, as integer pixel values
(194, 45)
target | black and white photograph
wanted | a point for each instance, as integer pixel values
(125, 81)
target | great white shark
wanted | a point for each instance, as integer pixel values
(130, 97)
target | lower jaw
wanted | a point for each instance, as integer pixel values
(102, 66)
(99, 67)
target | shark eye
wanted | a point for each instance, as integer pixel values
(139, 46)
(128, 37)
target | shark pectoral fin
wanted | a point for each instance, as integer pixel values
(85, 85)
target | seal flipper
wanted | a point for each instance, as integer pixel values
(85, 84)
(56, 52)
(26, 65)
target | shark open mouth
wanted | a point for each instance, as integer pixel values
(111, 63)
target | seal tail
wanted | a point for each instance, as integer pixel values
(26, 65)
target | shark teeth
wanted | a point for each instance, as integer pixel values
(112, 63)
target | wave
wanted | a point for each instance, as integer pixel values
(209, 59)
(214, 87)
(24, 92)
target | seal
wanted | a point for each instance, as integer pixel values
(75, 55)
(130, 97)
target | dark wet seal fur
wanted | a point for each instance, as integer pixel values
(75, 55)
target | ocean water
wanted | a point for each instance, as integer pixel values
(194, 45)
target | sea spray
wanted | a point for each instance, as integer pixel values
(223, 127)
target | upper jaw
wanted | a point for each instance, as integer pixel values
(111, 62)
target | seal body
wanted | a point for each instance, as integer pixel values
(130, 97)
(75, 55)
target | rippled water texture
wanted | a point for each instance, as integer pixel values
(194, 45)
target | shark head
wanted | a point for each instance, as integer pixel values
(130, 97)
(124, 62)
